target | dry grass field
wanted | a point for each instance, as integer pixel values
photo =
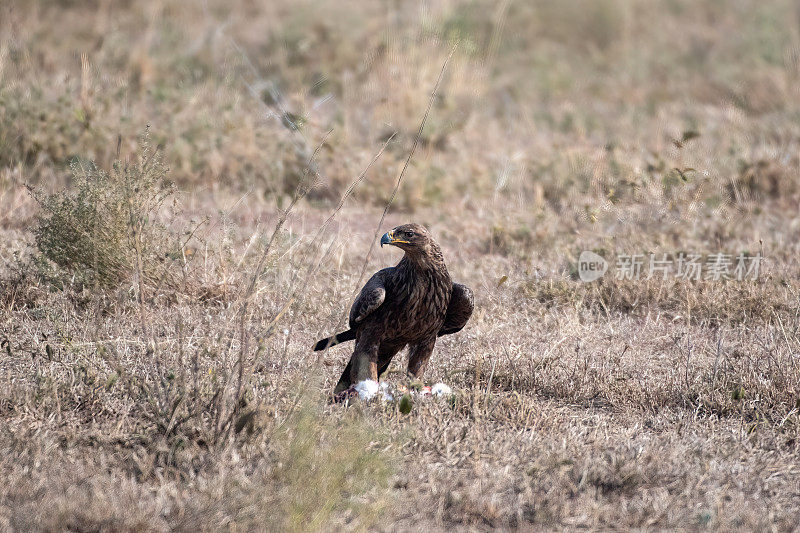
(191, 194)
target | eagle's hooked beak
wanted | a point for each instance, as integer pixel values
(388, 238)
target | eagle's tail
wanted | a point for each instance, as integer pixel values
(336, 339)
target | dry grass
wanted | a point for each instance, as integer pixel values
(155, 371)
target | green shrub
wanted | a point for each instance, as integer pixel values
(94, 233)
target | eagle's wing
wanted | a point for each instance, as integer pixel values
(459, 310)
(371, 297)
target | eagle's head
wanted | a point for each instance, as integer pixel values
(414, 239)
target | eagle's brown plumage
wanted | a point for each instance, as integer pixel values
(410, 304)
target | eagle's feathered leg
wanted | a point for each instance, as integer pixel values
(418, 355)
(385, 354)
(363, 363)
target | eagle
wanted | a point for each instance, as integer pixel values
(410, 304)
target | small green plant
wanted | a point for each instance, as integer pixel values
(406, 404)
(328, 467)
(97, 232)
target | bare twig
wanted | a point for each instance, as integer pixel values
(244, 339)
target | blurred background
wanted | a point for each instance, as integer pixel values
(569, 107)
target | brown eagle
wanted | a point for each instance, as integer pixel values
(410, 304)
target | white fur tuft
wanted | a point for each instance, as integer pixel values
(366, 389)
(440, 389)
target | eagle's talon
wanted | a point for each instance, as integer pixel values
(344, 395)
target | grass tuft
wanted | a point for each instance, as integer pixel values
(89, 232)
